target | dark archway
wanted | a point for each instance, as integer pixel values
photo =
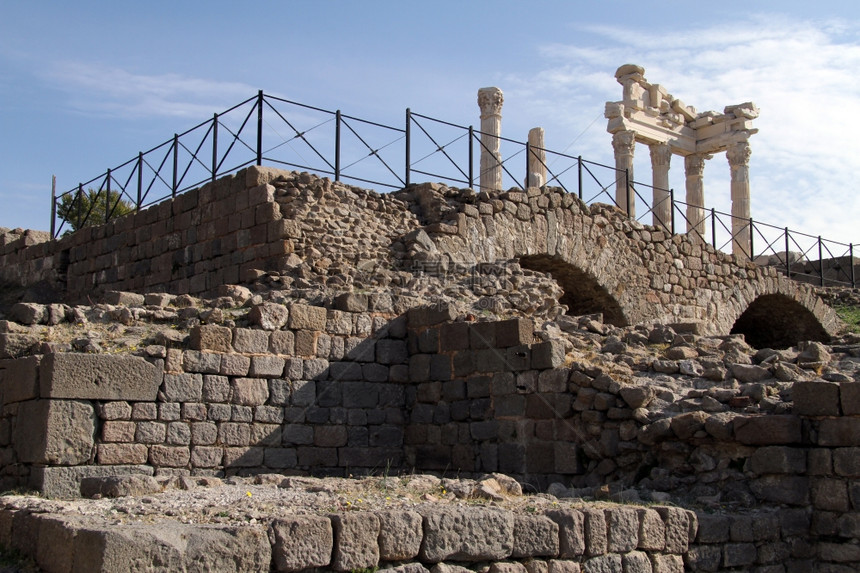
(778, 321)
(582, 293)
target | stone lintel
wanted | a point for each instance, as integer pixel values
(65, 482)
(682, 140)
(98, 377)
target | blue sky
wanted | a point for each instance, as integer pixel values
(84, 86)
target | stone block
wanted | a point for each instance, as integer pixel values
(206, 457)
(20, 379)
(54, 432)
(622, 525)
(767, 430)
(115, 411)
(839, 432)
(98, 377)
(792, 490)
(182, 388)
(830, 494)
(202, 362)
(234, 365)
(594, 527)
(282, 342)
(534, 536)
(467, 534)
(514, 332)
(430, 315)
(118, 431)
(570, 531)
(739, 554)
(849, 394)
(169, 456)
(677, 522)
(713, 528)
(211, 337)
(667, 563)
(180, 547)
(603, 564)
(636, 562)
(778, 460)
(119, 485)
(65, 482)
(548, 354)
(249, 341)
(355, 541)
(390, 351)
(280, 458)
(249, 391)
(816, 398)
(306, 317)
(652, 530)
(454, 336)
(122, 454)
(557, 566)
(269, 316)
(55, 543)
(482, 335)
(846, 462)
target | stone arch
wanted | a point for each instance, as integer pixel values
(583, 294)
(778, 321)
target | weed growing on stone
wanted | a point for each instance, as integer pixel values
(850, 314)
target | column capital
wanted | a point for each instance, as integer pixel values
(738, 154)
(490, 100)
(624, 142)
(695, 164)
(661, 154)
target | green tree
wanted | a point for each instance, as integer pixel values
(91, 208)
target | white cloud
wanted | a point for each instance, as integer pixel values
(105, 90)
(802, 75)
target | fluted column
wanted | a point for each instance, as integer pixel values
(536, 177)
(624, 142)
(738, 155)
(694, 167)
(661, 206)
(490, 101)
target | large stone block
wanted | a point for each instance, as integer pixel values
(623, 529)
(171, 547)
(535, 536)
(55, 432)
(849, 393)
(839, 432)
(514, 332)
(355, 541)
(767, 430)
(400, 535)
(570, 531)
(20, 379)
(305, 317)
(818, 398)
(301, 542)
(778, 460)
(65, 482)
(98, 377)
(211, 337)
(467, 534)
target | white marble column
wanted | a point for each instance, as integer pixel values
(536, 177)
(624, 142)
(694, 168)
(661, 206)
(490, 101)
(738, 155)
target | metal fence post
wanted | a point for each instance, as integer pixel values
(471, 156)
(627, 188)
(672, 206)
(820, 262)
(259, 127)
(80, 204)
(787, 260)
(337, 146)
(53, 206)
(139, 180)
(851, 260)
(214, 146)
(528, 154)
(408, 143)
(175, 163)
(107, 198)
(579, 170)
(751, 239)
(714, 228)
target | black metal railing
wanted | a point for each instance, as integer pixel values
(277, 131)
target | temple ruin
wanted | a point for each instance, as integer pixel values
(649, 114)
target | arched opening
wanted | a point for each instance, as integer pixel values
(778, 321)
(582, 293)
